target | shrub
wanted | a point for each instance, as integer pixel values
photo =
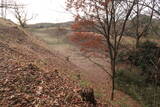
(145, 57)
(132, 83)
(141, 85)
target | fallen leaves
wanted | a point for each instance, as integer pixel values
(24, 83)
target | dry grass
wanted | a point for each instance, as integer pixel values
(130, 41)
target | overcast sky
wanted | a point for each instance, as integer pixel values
(47, 11)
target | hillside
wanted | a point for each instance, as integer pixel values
(47, 25)
(31, 74)
(91, 74)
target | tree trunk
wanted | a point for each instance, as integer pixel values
(113, 69)
(21, 24)
(87, 94)
(137, 42)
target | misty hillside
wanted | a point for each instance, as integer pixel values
(47, 25)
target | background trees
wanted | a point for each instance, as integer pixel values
(142, 21)
(5, 5)
(18, 10)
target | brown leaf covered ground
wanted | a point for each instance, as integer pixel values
(31, 75)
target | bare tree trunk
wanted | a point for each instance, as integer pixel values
(155, 90)
(2, 6)
(137, 42)
(113, 68)
(156, 81)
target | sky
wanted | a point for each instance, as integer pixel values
(44, 11)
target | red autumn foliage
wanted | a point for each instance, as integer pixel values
(82, 25)
(89, 42)
(106, 3)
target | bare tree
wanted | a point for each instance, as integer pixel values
(156, 8)
(21, 15)
(156, 13)
(156, 62)
(2, 7)
(143, 19)
(155, 25)
(5, 5)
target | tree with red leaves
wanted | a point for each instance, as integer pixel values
(83, 25)
(110, 18)
(90, 43)
(105, 14)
